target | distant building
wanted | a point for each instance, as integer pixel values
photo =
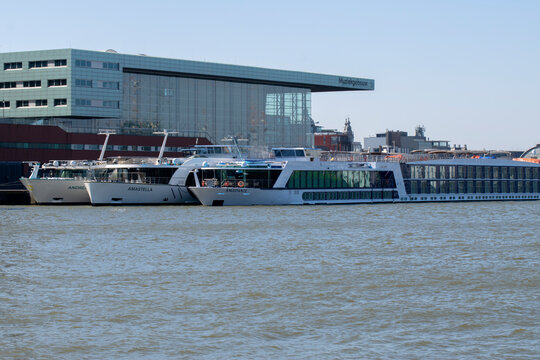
(400, 141)
(333, 140)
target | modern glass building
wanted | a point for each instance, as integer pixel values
(83, 91)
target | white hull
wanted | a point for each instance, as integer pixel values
(110, 193)
(248, 196)
(56, 191)
(245, 196)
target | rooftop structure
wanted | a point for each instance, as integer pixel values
(400, 141)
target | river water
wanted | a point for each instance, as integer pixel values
(402, 281)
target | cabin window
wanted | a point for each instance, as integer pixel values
(487, 187)
(479, 172)
(462, 187)
(479, 186)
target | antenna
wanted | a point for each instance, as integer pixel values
(162, 150)
(234, 140)
(107, 133)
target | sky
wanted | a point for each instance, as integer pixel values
(467, 70)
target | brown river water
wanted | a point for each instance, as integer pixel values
(403, 281)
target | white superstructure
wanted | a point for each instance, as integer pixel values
(296, 182)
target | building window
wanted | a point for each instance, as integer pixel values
(83, 63)
(8, 85)
(60, 102)
(83, 83)
(97, 65)
(38, 64)
(114, 85)
(60, 62)
(111, 66)
(111, 104)
(13, 66)
(83, 102)
(4, 104)
(21, 103)
(46, 63)
(41, 103)
(32, 83)
(57, 82)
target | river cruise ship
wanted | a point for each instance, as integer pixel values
(130, 182)
(61, 181)
(299, 182)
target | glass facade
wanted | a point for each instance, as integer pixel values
(261, 114)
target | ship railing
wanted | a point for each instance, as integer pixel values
(148, 180)
(401, 158)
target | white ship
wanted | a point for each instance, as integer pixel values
(62, 181)
(129, 182)
(288, 181)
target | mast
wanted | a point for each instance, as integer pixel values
(162, 150)
(107, 134)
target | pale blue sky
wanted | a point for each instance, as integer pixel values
(469, 71)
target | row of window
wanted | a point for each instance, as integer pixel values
(97, 65)
(32, 103)
(47, 63)
(36, 64)
(346, 179)
(350, 195)
(115, 85)
(470, 172)
(471, 186)
(18, 65)
(112, 104)
(253, 178)
(31, 84)
(20, 84)
(95, 147)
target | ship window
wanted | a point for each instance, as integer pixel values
(535, 186)
(504, 186)
(470, 172)
(487, 187)
(504, 172)
(302, 179)
(461, 187)
(461, 172)
(479, 187)
(512, 172)
(487, 172)
(443, 187)
(470, 186)
(433, 186)
(520, 172)
(424, 187)
(453, 187)
(519, 186)
(479, 172)
(431, 172)
(451, 172)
